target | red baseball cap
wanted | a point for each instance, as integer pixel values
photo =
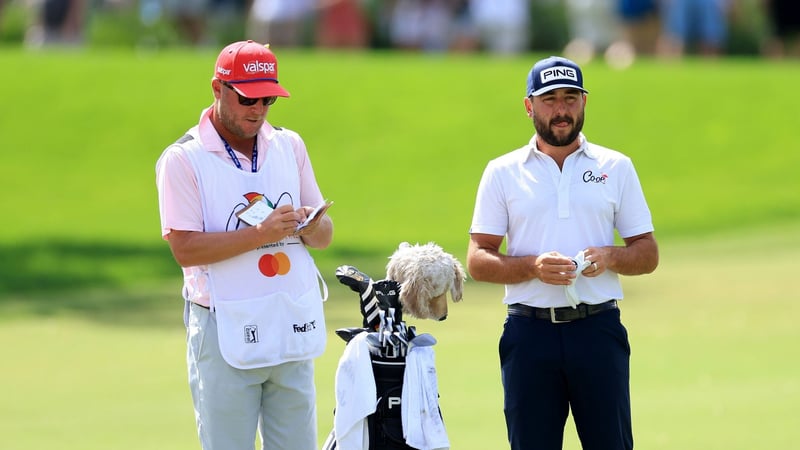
(251, 68)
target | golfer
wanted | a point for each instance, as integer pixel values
(232, 193)
(558, 200)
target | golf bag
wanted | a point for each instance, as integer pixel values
(388, 341)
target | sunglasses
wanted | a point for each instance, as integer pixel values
(247, 101)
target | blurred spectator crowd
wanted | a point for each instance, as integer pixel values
(619, 29)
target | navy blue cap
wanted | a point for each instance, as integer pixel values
(553, 73)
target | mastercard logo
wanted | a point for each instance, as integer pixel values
(271, 265)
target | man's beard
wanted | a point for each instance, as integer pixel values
(230, 123)
(545, 132)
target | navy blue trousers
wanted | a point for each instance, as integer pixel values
(548, 368)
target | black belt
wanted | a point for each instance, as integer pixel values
(564, 314)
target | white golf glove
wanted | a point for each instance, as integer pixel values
(572, 294)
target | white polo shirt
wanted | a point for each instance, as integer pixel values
(538, 208)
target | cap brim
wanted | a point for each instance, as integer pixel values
(258, 89)
(547, 89)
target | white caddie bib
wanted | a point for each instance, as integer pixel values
(257, 328)
(267, 301)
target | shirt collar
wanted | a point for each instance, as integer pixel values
(211, 140)
(584, 147)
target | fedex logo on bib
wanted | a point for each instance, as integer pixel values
(259, 67)
(558, 73)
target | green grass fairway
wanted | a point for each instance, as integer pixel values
(398, 142)
(714, 363)
(90, 314)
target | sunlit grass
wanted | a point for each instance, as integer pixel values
(713, 362)
(89, 294)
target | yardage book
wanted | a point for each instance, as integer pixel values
(258, 210)
(255, 212)
(318, 212)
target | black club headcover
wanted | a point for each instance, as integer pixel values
(388, 294)
(362, 284)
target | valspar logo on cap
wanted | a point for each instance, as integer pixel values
(559, 73)
(259, 67)
(251, 69)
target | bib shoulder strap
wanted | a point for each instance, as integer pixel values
(184, 139)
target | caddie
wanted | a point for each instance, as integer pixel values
(232, 193)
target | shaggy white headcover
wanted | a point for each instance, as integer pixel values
(426, 273)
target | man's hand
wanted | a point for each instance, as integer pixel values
(596, 257)
(304, 212)
(555, 268)
(280, 223)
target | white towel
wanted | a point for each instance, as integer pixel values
(423, 427)
(572, 293)
(355, 395)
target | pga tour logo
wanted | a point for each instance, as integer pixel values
(258, 66)
(558, 73)
(251, 334)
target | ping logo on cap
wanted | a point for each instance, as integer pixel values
(558, 73)
(259, 66)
